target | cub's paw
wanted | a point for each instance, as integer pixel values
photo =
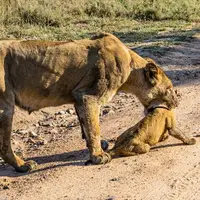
(27, 167)
(100, 159)
(191, 141)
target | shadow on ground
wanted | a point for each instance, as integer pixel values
(73, 158)
(178, 52)
(170, 37)
(184, 43)
(167, 145)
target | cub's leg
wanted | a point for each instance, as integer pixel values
(88, 111)
(164, 136)
(141, 148)
(114, 153)
(177, 133)
(129, 151)
(6, 117)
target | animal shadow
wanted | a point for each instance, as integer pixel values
(73, 158)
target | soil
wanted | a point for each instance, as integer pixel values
(52, 137)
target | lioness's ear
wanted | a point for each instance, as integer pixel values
(149, 60)
(151, 73)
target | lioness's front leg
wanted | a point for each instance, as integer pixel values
(88, 110)
(177, 133)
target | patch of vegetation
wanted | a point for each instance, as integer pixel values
(132, 21)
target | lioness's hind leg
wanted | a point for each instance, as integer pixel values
(6, 152)
(177, 133)
(141, 148)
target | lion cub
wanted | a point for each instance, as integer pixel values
(156, 126)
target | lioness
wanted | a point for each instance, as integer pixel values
(86, 73)
(155, 127)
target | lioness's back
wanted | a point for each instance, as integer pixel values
(44, 73)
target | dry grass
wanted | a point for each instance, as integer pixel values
(60, 20)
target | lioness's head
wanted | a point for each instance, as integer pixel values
(159, 86)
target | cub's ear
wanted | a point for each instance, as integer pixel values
(151, 72)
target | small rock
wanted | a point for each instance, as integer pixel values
(71, 125)
(112, 198)
(30, 140)
(54, 131)
(42, 142)
(32, 134)
(62, 112)
(6, 187)
(71, 111)
(105, 112)
(114, 179)
(23, 132)
(36, 125)
(107, 106)
(111, 112)
(47, 123)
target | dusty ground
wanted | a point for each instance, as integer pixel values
(169, 171)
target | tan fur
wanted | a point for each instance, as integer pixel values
(153, 128)
(87, 73)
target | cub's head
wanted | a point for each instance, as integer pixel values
(159, 86)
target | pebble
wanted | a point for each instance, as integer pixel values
(6, 187)
(108, 112)
(32, 134)
(114, 179)
(112, 198)
(54, 131)
(111, 112)
(71, 111)
(42, 142)
(23, 132)
(62, 112)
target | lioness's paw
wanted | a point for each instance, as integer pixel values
(192, 141)
(100, 159)
(27, 167)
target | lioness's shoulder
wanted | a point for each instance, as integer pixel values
(102, 35)
(108, 39)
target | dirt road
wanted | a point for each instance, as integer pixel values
(170, 171)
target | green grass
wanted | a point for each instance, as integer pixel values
(132, 21)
